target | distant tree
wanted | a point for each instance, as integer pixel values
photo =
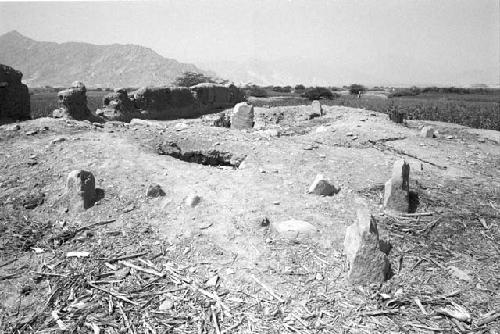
(300, 87)
(188, 79)
(356, 89)
(286, 89)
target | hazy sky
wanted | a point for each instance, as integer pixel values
(452, 33)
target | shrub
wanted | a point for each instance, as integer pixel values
(188, 79)
(356, 89)
(318, 93)
(300, 87)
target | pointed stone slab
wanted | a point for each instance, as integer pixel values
(397, 188)
(367, 263)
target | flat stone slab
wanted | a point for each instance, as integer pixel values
(294, 229)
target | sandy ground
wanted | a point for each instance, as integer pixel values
(352, 147)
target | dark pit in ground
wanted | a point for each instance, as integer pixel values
(202, 157)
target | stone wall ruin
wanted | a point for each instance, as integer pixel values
(166, 103)
(73, 103)
(117, 106)
(14, 95)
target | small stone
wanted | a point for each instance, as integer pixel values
(166, 305)
(122, 273)
(58, 140)
(31, 132)
(449, 137)
(427, 132)
(155, 190)
(13, 127)
(460, 274)
(192, 200)
(128, 208)
(397, 188)
(80, 188)
(321, 129)
(349, 134)
(318, 277)
(367, 264)
(33, 200)
(276, 203)
(322, 186)
(180, 126)
(212, 281)
(294, 229)
(263, 221)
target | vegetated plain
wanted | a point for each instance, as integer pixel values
(475, 108)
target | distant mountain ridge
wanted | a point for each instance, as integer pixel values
(116, 65)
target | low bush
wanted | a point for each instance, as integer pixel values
(318, 93)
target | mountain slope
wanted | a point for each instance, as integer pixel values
(49, 63)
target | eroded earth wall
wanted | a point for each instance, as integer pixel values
(182, 102)
(14, 95)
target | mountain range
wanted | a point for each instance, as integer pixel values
(58, 65)
(116, 65)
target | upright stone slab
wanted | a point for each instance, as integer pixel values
(427, 132)
(242, 116)
(80, 189)
(367, 263)
(397, 188)
(317, 108)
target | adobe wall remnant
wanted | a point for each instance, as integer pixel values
(14, 95)
(117, 106)
(367, 262)
(73, 103)
(164, 103)
(397, 188)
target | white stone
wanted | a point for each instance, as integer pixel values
(294, 229)
(242, 116)
(427, 132)
(322, 186)
(316, 107)
(166, 305)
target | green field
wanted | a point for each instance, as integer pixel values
(474, 110)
